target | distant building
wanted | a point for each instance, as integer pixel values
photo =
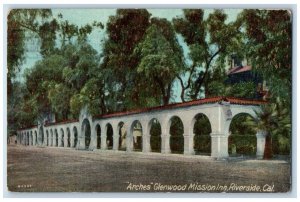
(239, 73)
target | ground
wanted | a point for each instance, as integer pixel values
(50, 169)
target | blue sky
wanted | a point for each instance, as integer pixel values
(84, 16)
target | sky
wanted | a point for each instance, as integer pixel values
(85, 16)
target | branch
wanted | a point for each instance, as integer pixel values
(200, 80)
(182, 88)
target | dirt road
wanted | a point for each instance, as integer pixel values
(36, 169)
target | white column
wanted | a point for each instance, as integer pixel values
(54, 139)
(129, 140)
(72, 138)
(165, 137)
(188, 145)
(146, 143)
(93, 143)
(115, 137)
(165, 144)
(219, 145)
(49, 139)
(65, 138)
(59, 139)
(261, 141)
(188, 137)
(103, 138)
(146, 137)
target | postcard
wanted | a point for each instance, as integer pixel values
(149, 100)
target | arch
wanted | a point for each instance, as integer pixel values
(176, 135)
(41, 135)
(122, 133)
(242, 137)
(86, 131)
(201, 130)
(51, 137)
(31, 138)
(109, 136)
(27, 139)
(62, 137)
(155, 135)
(136, 131)
(68, 137)
(98, 133)
(47, 138)
(75, 136)
(56, 138)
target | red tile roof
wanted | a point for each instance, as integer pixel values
(28, 127)
(239, 69)
(232, 100)
(62, 122)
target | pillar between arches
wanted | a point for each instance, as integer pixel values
(189, 145)
(81, 142)
(65, 138)
(93, 143)
(165, 144)
(146, 143)
(72, 139)
(103, 142)
(115, 138)
(219, 145)
(129, 140)
(260, 144)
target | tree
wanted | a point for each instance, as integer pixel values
(134, 61)
(268, 36)
(125, 30)
(269, 45)
(40, 79)
(207, 41)
(273, 119)
(160, 60)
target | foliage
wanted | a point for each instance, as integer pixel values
(155, 139)
(206, 45)
(275, 120)
(176, 136)
(202, 131)
(269, 45)
(160, 60)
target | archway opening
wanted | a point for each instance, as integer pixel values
(27, 139)
(176, 136)
(41, 134)
(31, 138)
(122, 131)
(155, 136)
(137, 136)
(62, 142)
(202, 139)
(56, 138)
(86, 130)
(242, 137)
(68, 137)
(109, 136)
(98, 132)
(35, 140)
(75, 136)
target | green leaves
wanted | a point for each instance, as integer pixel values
(270, 48)
(160, 58)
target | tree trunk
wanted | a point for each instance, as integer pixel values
(268, 154)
